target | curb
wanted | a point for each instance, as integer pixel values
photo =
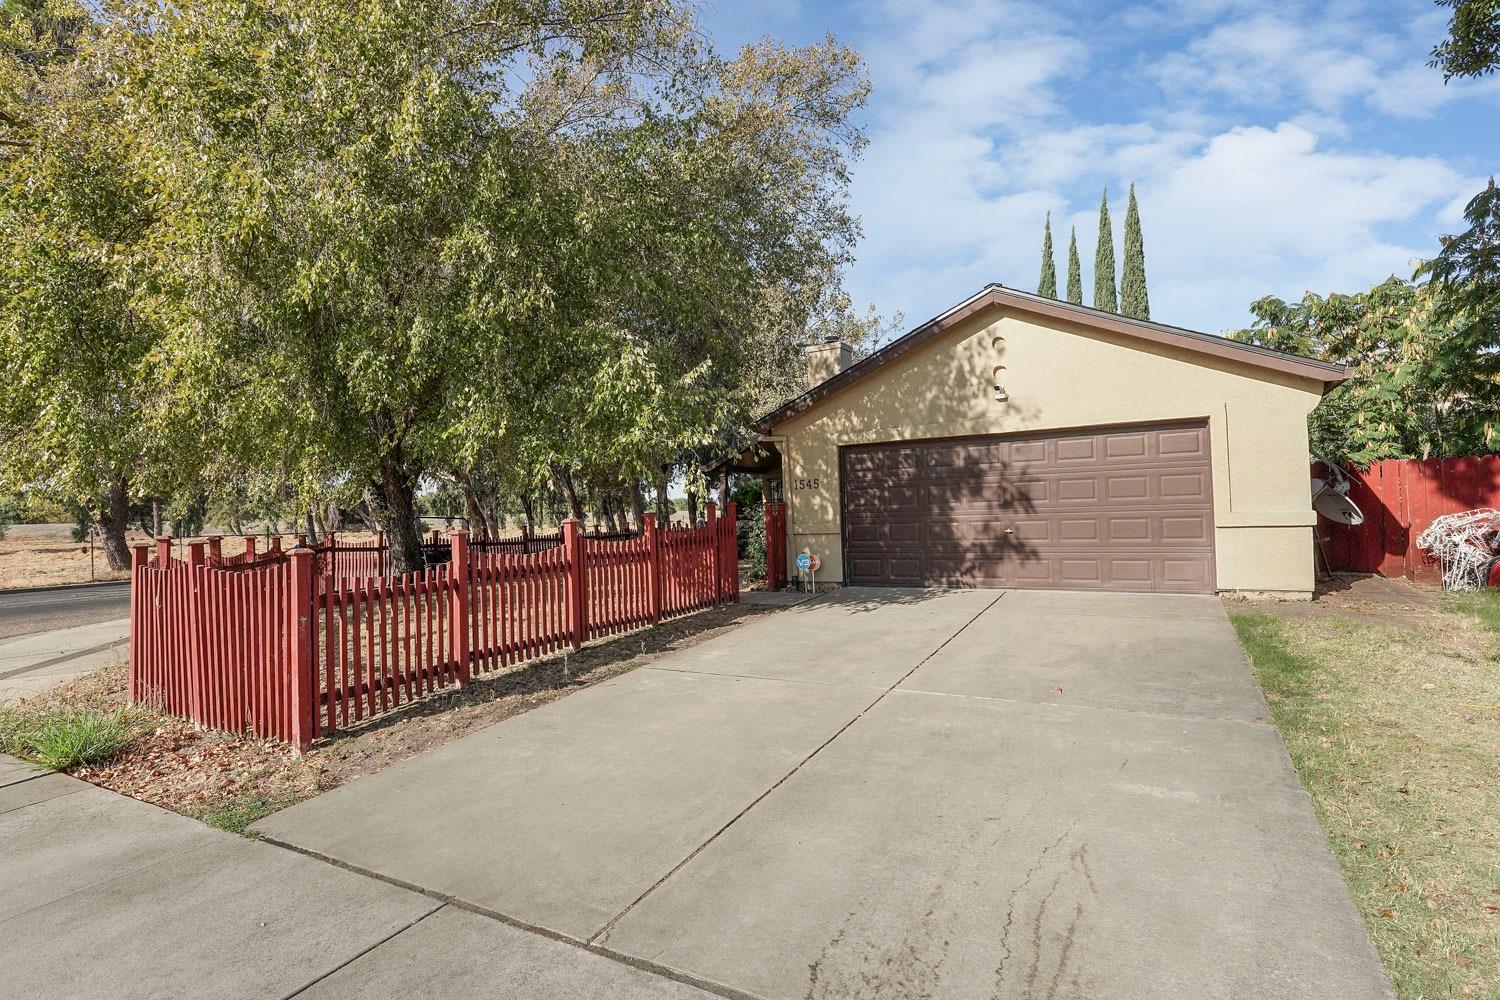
(53, 588)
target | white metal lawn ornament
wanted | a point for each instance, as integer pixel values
(1464, 545)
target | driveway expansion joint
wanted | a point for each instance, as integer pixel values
(444, 899)
(603, 932)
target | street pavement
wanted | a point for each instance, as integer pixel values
(24, 612)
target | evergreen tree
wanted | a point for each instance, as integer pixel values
(1104, 261)
(1048, 285)
(1075, 272)
(1133, 298)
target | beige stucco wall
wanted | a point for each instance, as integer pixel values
(1060, 375)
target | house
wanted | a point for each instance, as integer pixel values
(1020, 441)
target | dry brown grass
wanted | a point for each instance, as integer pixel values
(31, 559)
(51, 560)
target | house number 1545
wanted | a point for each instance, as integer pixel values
(809, 484)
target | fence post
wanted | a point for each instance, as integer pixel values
(458, 609)
(139, 556)
(196, 627)
(653, 570)
(275, 547)
(578, 626)
(249, 548)
(164, 551)
(216, 547)
(716, 549)
(731, 547)
(300, 660)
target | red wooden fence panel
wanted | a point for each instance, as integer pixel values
(296, 646)
(1400, 498)
(775, 512)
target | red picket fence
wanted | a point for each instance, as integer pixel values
(292, 647)
(211, 643)
(1400, 498)
(775, 545)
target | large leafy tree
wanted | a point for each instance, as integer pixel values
(83, 415)
(1418, 386)
(428, 239)
(1472, 47)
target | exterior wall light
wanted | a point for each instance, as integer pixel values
(1000, 394)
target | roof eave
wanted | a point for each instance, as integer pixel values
(993, 295)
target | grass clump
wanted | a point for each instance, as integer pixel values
(1481, 604)
(238, 813)
(66, 737)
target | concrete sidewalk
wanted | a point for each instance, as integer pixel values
(33, 663)
(107, 898)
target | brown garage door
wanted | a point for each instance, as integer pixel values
(1118, 509)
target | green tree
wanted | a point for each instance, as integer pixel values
(1104, 261)
(419, 238)
(1133, 298)
(1048, 284)
(1472, 47)
(1075, 270)
(1417, 388)
(83, 417)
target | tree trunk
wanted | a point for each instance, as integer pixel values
(565, 483)
(528, 512)
(113, 523)
(723, 490)
(692, 508)
(402, 538)
(320, 527)
(663, 511)
(637, 505)
(155, 517)
(479, 526)
(610, 524)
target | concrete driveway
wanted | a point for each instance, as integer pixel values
(879, 794)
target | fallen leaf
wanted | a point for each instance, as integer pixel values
(1388, 914)
(1057, 690)
(1359, 845)
(1428, 687)
(1462, 961)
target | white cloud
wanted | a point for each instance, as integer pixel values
(1260, 136)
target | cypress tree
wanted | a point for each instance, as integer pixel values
(1075, 272)
(1048, 285)
(1104, 261)
(1133, 298)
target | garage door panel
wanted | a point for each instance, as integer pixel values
(1108, 509)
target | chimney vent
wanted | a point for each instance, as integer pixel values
(827, 359)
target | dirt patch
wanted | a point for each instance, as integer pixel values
(1374, 599)
(231, 780)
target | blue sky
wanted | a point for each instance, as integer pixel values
(1276, 147)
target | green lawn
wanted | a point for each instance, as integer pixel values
(1395, 731)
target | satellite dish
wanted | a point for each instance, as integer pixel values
(1337, 507)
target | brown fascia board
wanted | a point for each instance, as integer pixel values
(990, 296)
